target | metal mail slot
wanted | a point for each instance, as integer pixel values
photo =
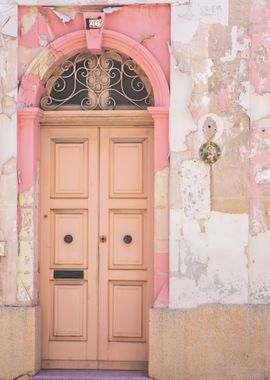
(68, 274)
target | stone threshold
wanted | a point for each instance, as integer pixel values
(62, 374)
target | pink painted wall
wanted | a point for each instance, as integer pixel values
(149, 25)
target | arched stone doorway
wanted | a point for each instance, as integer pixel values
(31, 117)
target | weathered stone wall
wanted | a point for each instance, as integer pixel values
(20, 342)
(215, 342)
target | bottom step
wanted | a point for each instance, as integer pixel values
(61, 374)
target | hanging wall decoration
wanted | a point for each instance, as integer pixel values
(209, 151)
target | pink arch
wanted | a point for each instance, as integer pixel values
(32, 84)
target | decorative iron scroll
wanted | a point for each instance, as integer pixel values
(98, 82)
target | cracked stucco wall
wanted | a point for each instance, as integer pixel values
(259, 79)
(209, 205)
(8, 152)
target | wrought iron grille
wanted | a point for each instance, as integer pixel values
(98, 82)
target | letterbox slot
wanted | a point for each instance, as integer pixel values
(67, 274)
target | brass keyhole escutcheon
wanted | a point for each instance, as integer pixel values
(103, 238)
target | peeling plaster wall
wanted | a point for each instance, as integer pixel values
(220, 68)
(8, 232)
(259, 78)
(209, 205)
(8, 152)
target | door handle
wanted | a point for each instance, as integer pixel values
(103, 238)
(127, 239)
(68, 239)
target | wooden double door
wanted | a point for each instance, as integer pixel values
(96, 240)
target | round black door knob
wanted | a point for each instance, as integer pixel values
(68, 239)
(127, 239)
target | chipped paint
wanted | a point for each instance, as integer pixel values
(196, 273)
(161, 259)
(3, 248)
(181, 121)
(259, 283)
(25, 259)
(209, 78)
(263, 176)
(195, 179)
(110, 10)
(8, 231)
(236, 46)
(63, 17)
(187, 18)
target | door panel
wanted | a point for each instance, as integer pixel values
(127, 323)
(96, 181)
(69, 311)
(127, 167)
(125, 272)
(126, 225)
(72, 224)
(69, 166)
(69, 206)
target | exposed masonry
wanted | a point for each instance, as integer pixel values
(219, 218)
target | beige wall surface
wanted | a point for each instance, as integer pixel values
(19, 341)
(212, 342)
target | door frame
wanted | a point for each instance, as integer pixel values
(30, 116)
(98, 119)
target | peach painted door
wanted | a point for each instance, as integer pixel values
(96, 246)
(68, 240)
(125, 288)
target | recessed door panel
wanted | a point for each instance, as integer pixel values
(128, 167)
(69, 311)
(69, 238)
(69, 168)
(127, 311)
(126, 250)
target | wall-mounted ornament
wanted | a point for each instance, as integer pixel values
(210, 152)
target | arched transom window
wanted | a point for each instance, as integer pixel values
(98, 82)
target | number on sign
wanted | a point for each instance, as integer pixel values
(93, 23)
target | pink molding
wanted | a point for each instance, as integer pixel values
(28, 146)
(161, 119)
(75, 42)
